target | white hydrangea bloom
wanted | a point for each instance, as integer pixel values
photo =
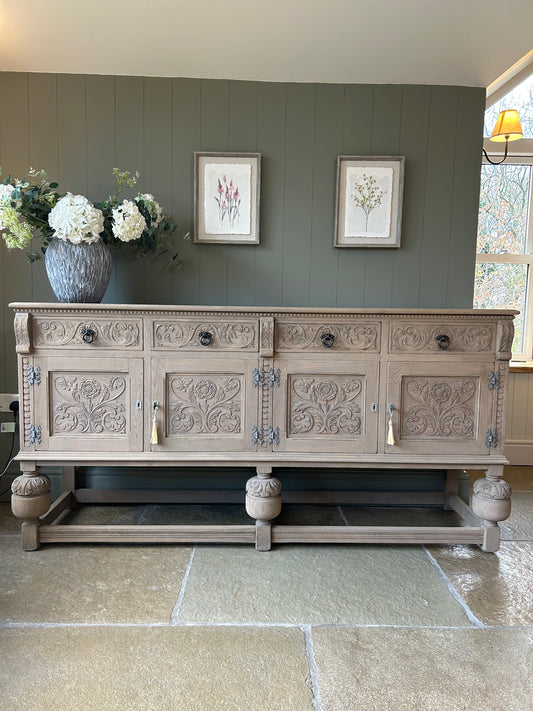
(154, 208)
(76, 219)
(128, 223)
(5, 193)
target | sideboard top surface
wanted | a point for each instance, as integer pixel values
(257, 310)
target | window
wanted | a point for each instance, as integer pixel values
(504, 263)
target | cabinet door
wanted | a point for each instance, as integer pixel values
(89, 404)
(326, 407)
(205, 404)
(441, 408)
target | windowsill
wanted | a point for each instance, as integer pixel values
(521, 366)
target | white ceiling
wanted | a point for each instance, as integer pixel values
(462, 42)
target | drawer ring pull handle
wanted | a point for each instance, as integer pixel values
(205, 338)
(443, 341)
(327, 339)
(88, 335)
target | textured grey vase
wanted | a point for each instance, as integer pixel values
(78, 273)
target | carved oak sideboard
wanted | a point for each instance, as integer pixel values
(263, 388)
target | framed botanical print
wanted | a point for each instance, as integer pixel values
(369, 201)
(226, 197)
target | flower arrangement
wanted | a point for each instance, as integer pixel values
(33, 206)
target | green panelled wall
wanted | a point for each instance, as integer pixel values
(78, 128)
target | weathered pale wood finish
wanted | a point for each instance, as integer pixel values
(266, 388)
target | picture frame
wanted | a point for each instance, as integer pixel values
(226, 197)
(369, 199)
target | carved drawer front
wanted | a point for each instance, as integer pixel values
(442, 337)
(87, 405)
(88, 333)
(204, 335)
(440, 409)
(333, 336)
(322, 408)
(203, 405)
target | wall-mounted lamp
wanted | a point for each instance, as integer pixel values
(507, 129)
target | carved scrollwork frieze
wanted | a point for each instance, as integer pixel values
(185, 335)
(409, 338)
(300, 336)
(68, 333)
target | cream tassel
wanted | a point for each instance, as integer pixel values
(390, 433)
(154, 438)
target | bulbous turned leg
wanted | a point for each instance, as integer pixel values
(263, 502)
(30, 499)
(491, 502)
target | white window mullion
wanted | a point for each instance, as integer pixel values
(505, 258)
(528, 318)
(502, 277)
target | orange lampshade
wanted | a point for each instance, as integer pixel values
(507, 127)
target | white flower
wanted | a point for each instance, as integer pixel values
(128, 223)
(5, 202)
(5, 193)
(154, 208)
(76, 219)
(17, 231)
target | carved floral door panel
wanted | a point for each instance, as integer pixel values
(326, 407)
(440, 409)
(205, 404)
(87, 405)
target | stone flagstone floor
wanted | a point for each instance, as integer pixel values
(302, 628)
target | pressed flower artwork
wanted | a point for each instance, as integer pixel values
(227, 198)
(369, 201)
(227, 201)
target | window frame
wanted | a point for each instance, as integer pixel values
(519, 153)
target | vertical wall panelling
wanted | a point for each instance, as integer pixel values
(357, 134)
(468, 148)
(100, 118)
(386, 122)
(43, 155)
(129, 272)
(299, 149)
(15, 159)
(100, 113)
(271, 143)
(186, 101)
(242, 138)
(327, 146)
(440, 179)
(413, 145)
(79, 127)
(72, 132)
(158, 171)
(519, 432)
(214, 122)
